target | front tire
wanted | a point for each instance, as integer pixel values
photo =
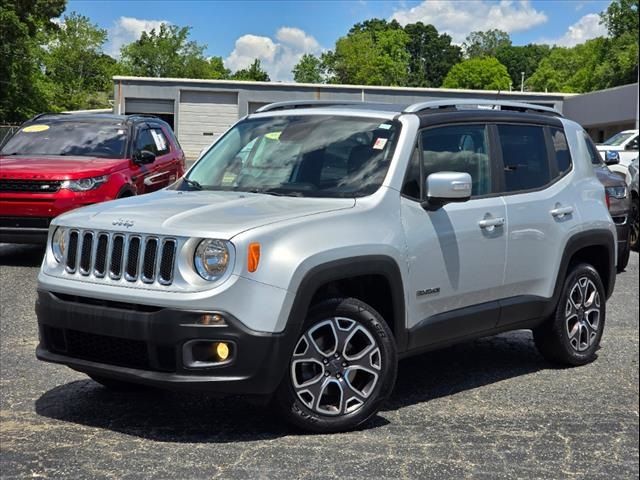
(572, 335)
(623, 256)
(343, 368)
(634, 223)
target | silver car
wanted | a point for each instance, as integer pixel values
(317, 243)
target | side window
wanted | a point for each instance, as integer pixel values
(561, 150)
(145, 141)
(633, 144)
(524, 153)
(162, 145)
(459, 148)
(594, 154)
(411, 185)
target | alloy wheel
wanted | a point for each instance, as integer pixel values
(336, 366)
(582, 314)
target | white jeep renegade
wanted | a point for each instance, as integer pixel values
(316, 243)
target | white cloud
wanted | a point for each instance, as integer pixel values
(278, 56)
(128, 29)
(460, 18)
(584, 29)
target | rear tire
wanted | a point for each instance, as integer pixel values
(342, 370)
(572, 335)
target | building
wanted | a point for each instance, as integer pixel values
(201, 110)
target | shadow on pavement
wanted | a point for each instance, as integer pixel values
(16, 255)
(192, 418)
(464, 367)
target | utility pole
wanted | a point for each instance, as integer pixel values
(522, 81)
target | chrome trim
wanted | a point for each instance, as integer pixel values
(168, 281)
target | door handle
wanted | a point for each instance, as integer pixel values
(560, 212)
(491, 222)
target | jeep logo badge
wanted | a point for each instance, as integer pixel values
(122, 223)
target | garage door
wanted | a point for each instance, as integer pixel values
(204, 116)
(148, 105)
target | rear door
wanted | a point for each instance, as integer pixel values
(457, 252)
(541, 211)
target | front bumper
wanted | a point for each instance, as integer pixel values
(622, 230)
(142, 344)
(24, 229)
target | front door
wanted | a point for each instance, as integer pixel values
(457, 252)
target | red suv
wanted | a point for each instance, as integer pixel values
(58, 162)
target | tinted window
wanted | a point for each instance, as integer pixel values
(526, 165)
(145, 141)
(460, 148)
(73, 138)
(162, 145)
(310, 155)
(561, 150)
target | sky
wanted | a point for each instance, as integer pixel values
(280, 32)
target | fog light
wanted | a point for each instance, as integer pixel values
(206, 353)
(222, 351)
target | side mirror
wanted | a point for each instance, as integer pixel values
(447, 187)
(611, 157)
(144, 157)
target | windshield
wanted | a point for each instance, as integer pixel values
(314, 155)
(618, 139)
(74, 138)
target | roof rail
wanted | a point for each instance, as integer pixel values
(304, 104)
(496, 104)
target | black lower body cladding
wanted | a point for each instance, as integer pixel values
(142, 344)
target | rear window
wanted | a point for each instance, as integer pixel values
(524, 152)
(72, 138)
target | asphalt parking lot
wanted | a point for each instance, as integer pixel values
(487, 409)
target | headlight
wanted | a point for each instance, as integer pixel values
(211, 259)
(58, 244)
(619, 192)
(84, 184)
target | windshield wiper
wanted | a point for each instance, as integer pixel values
(193, 183)
(278, 192)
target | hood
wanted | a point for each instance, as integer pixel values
(203, 214)
(57, 167)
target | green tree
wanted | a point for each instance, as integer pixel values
(308, 70)
(254, 73)
(23, 90)
(520, 59)
(431, 55)
(372, 53)
(217, 69)
(594, 65)
(485, 73)
(166, 52)
(75, 65)
(621, 17)
(485, 44)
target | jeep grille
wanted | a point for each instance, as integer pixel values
(121, 256)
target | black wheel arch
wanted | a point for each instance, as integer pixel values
(344, 269)
(589, 247)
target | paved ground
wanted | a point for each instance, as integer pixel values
(489, 409)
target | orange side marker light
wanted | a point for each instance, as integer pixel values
(254, 257)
